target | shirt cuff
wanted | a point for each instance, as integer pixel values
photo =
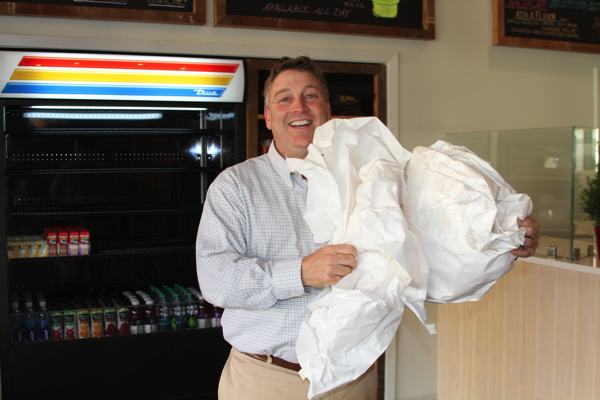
(287, 279)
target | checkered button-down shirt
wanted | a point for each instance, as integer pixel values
(251, 240)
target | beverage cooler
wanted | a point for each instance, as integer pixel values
(105, 165)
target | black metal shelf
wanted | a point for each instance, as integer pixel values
(104, 251)
(126, 132)
(139, 170)
(36, 211)
(127, 338)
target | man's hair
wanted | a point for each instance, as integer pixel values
(301, 63)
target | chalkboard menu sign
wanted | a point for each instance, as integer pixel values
(571, 25)
(167, 11)
(404, 18)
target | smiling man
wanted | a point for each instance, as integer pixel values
(256, 256)
(296, 103)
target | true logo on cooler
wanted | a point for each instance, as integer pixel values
(216, 92)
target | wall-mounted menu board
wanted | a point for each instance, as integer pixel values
(166, 11)
(403, 18)
(571, 25)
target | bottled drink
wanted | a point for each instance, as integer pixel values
(123, 316)
(163, 310)
(189, 306)
(73, 243)
(43, 320)
(17, 319)
(147, 313)
(69, 323)
(52, 241)
(62, 243)
(84, 242)
(96, 319)
(110, 317)
(209, 310)
(217, 317)
(177, 318)
(201, 309)
(56, 325)
(28, 320)
(151, 314)
(135, 319)
(82, 317)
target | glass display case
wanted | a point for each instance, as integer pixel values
(552, 166)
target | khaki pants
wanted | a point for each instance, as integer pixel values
(245, 378)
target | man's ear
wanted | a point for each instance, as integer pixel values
(267, 114)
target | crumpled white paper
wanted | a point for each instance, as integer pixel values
(465, 216)
(355, 172)
(456, 208)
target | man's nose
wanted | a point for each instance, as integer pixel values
(299, 104)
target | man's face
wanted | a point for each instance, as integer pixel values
(296, 107)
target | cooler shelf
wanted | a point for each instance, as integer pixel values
(108, 253)
(85, 132)
(61, 212)
(172, 170)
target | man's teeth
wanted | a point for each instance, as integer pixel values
(301, 122)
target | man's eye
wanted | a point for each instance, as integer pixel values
(283, 100)
(311, 96)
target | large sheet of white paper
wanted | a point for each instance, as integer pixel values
(355, 172)
(465, 216)
(438, 223)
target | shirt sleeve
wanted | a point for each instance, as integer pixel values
(228, 277)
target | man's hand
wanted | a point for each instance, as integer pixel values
(328, 265)
(532, 235)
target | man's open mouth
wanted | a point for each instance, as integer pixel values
(301, 122)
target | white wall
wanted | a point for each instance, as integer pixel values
(457, 82)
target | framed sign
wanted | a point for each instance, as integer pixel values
(570, 25)
(165, 11)
(401, 18)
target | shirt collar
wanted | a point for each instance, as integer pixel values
(279, 165)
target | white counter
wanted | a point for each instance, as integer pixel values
(589, 265)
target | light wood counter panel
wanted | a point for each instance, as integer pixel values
(535, 335)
